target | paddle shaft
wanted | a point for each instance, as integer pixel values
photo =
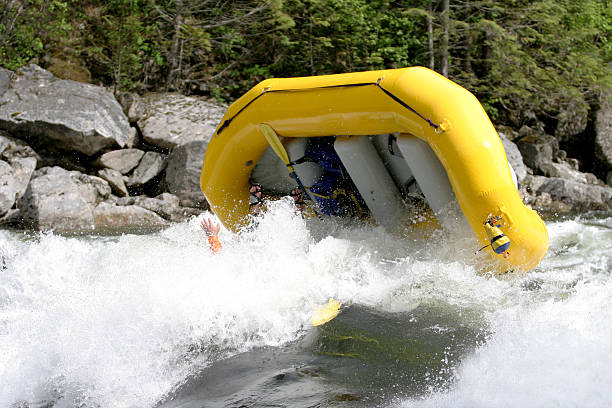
(293, 174)
(281, 152)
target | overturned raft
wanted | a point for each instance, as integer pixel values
(416, 104)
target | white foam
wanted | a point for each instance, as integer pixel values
(119, 321)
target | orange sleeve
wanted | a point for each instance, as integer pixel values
(215, 244)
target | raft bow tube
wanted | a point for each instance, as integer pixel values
(412, 102)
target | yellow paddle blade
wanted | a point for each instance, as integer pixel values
(326, 313)
(274, 141)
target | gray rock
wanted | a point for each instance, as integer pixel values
(65, 114)
(12, 217)
(7, 187)
(170, 120)
(577, 196)
(171, 198)
(533, 183)
(115, 180)
(55, 200)
(564, 170)
(183, 173)
(5, 80)
(4, 142)
(22, 159)
(123, 160)
(537, 150)
(166, 209)
(23, 168)
(544, 201)
(131, 217)
(150, 166)
(11, 148)
(603, 134)
(132, 138)
(132, 106)
(572, 120)
(561, 156)
(514, 158)
(94, 189)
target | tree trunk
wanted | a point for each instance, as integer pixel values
(7, 22)
(469, 44)
(445, 35)
(430, 41)
(312, 70)
(173, 58)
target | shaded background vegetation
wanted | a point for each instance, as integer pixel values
(528, 61)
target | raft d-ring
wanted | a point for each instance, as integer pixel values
(379, 80)
(442, 127)
(263, 91)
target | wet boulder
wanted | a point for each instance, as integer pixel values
(163, 206)
(183, 173)
(65, 114)
(56, 199)
(170, 120)
(130, 217)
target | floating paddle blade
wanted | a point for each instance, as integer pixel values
(326, 313)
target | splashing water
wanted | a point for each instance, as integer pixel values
(122, 321)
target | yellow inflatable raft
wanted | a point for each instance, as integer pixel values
(426, 114)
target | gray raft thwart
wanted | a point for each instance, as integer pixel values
(377, 170)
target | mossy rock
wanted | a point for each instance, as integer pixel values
(66, 66)
(69, 69)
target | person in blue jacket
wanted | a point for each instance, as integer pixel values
(334, 192)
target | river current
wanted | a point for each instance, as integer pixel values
(157, 320)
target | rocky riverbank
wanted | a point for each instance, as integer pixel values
(73, 157)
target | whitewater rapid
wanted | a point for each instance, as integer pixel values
(121, 321)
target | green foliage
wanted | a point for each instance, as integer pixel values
(517, 56)
(534, 56)
(25, 28)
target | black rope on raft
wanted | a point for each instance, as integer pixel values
(405, 105)
(264, 91)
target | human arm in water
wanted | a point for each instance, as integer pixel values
(212, 231)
